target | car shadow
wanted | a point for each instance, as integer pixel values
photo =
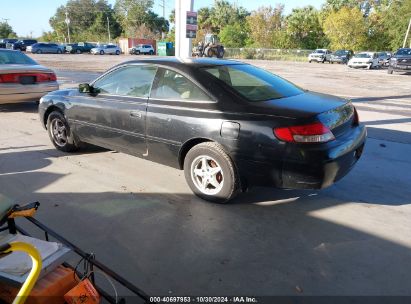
(379, 98)
(26, 107)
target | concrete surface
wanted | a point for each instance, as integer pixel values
(141, 218)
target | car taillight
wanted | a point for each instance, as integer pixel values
(356, 119)
(15, 77)
(311, 133)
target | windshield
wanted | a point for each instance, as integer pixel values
(362, 55)
(253, 83)
(341, 53)
(319, 51)
(11, 57)
(404, 52)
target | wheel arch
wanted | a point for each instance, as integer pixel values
(49, 110)
(187, 147)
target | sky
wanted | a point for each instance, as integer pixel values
(29, 18)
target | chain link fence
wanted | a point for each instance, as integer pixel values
(267, 54)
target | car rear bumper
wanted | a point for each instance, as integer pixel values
(14, 93)
(308, 166)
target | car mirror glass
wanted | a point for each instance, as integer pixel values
(84, 88)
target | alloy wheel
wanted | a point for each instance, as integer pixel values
(59, 132)
(207, 175)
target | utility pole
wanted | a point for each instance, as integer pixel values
(406, 35)
(164, 15)
(68, 26)
(108, 29)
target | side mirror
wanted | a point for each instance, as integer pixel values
(86, 88)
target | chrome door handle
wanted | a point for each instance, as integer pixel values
(136, 114)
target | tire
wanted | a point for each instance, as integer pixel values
(59, 51)
(309, 61)
(117, 52)
(220, 52)
(209, 52)
(78, 52)
(137, 52)
(39, 52)
(390, 71)
(370, 66)
(222, 185)
(101, 52)
(59, 132)
(151, 52)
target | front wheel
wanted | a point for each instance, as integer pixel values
(78, 51)
(59, 51)
(117, 52)
(101, 52)
(151, 52)
(59, 132)
(211, 173)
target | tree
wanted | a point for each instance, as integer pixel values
(224, 13)
(395, 21)
(137, 15)
(234, 35)
(304, 28)
(263, 24)
(88, 20)
(346, 29)
(6, 31)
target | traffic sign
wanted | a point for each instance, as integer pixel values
(191, 25)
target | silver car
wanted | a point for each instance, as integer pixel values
(23, 79)
(106, 49)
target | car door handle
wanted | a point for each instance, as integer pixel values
(136, 114)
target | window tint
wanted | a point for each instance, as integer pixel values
(253, 83)
(172, 85)
(132, 81)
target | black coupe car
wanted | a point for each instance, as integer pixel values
(227, 124)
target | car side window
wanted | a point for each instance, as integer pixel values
(133, 81)
(174, 86)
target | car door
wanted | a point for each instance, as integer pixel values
(115, 117)
(177, 110)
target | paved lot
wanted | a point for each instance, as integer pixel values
(140, 218)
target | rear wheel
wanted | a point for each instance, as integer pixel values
(101, 52)
(151, 52)
(39, 51)
(390, 71)
(117, 52)
(59, 132)
(78, 51)
(137, 52)
(59, 51)
(211, 173)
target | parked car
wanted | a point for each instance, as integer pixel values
(341, 56)
(3, 42)
(80, 47)
(21, 44)
(144, 49)
(106, 49)
(400, 61)
(367, 60)
(227, 124)
(23, 79)
(384, 58)
(43, 48)
(320, 55)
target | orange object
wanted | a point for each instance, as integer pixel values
(83, 293)
(48, 290)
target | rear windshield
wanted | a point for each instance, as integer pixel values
(8, 57)
(253, 83)
(362, 55)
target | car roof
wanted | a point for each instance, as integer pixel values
(176, 61)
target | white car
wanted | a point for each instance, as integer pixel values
(367, 60)
(320, 55)
(106, 49)
(142, 49)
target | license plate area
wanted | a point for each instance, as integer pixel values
(27, 79)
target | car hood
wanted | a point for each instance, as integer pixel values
(299, 106)
(22, 68)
